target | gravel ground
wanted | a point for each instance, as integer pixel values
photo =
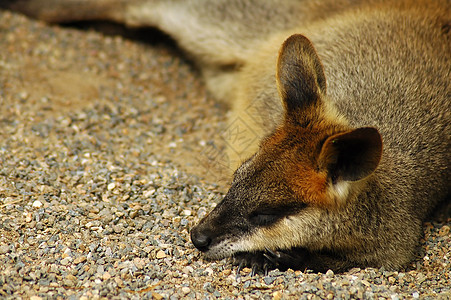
(106, 150)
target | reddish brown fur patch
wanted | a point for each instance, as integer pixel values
(295, 149)
(309, 185)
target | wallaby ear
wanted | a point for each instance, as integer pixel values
(300, 75)
(352, 155)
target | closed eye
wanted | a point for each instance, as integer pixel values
(269, 216)
(264, 219)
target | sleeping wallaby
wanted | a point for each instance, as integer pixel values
(351, 101)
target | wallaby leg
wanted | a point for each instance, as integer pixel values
(65, 11)
(218, 32)
(215, 32)
(220, 35)
(227, 32)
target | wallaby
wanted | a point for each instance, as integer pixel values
(344, 172)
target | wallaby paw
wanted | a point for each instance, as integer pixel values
(254, 260)
(264, 261)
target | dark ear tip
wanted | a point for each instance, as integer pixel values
(300, 75)
(296, 39)
(294, 45)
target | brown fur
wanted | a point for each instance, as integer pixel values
(347, 170)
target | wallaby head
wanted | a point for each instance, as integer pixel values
(307, 171)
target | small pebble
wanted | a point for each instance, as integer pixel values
(444, 231)
(4, 249)
(37, 204)
(330, 273)
(161, 254)
(66, 261)
(111, 186)
(186, 290)
(106, 276)
(277, 295)
(80, 259)
(148, 193)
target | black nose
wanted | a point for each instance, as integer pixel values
(200, 238)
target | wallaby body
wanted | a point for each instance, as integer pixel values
(346, 171)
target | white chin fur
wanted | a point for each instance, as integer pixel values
(226, 249)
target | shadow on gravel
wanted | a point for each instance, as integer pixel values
(147, 35)
(442, 212)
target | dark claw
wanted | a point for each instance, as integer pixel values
(272, 259)
(265, 269)
(254, 270)
(273, 254)
(240, 266)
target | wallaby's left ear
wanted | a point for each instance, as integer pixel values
(300, 75)
(351, 155)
